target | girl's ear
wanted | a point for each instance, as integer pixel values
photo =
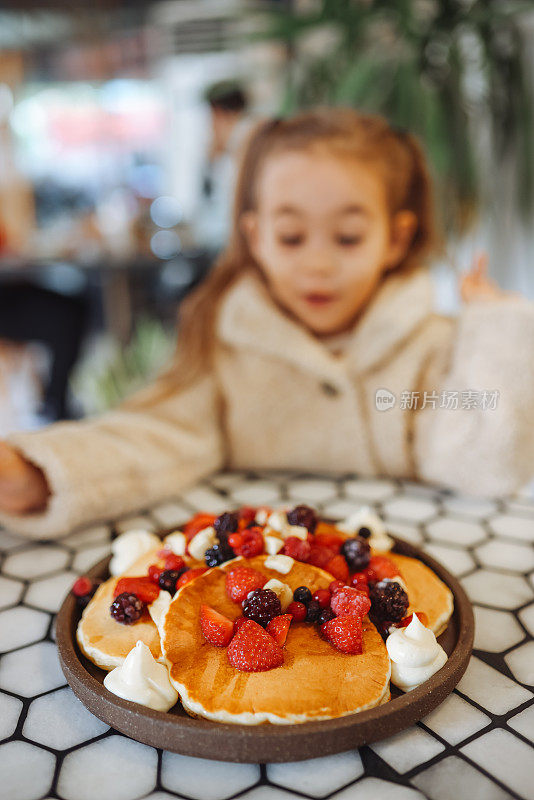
(403, 228)
(248, 223)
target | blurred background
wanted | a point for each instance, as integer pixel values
(119, 129)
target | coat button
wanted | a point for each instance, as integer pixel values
(329, 389)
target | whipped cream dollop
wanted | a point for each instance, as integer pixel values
(365, 517)
(279, 563)
(176, 542)
(142, 680)
(415, 655)
(277, 524)
(130, 546)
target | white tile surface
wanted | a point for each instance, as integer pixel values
(497, 589)
(521, 663)
(496, 630)
(456, 531)
(405, 531)
(455, 779)
(457, 561)
(312, 491)
(26, 771)
(87, 558)
(506, 555)
(35, 561)
(410, 508)
(10, 592)
(20, 626)
(114, 768)
(377, 789)
(469, 506)
(456, 719)
(523, 723)
(490, 689)
(514, 770)
(370, 491)
(33, 670)
(407, 749)
(513, 527)
(318, 776)
(136, 522)
(526, 615)
(10, 708)
(256, 493)
(171, 514)
(206, 780)
(49, 593)
(59, 720)
(94, 534)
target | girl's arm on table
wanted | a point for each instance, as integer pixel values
(475, 450)
(127, 459)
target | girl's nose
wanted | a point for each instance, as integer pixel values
(319, 261)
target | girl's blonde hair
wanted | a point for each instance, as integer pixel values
(346, 132)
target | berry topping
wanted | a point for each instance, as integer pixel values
(357, 553)
(350, 601)
(154, 572)
(279, 627)
(335, 586)
(235, 540)
(142, 587)
(297, 610)
(172, 561)
(226, 524)
(218, 554)
(82, 587)
(296, 548)
(189, 575)
(197, 524)
(252, 543)
(126, 608)
(168, 580)
(313, 610)
(365, 532)
(320, 555)
(253, 649)
(330, 540)
(262, 605)
(379, 568)
(345, 633)
(242, 580)
(237, 623)
(302, 595)
(303, 516)
(323, 597)
(325, 616)
(217, 628)
(337, 567)
(389, 600)
(422, 617)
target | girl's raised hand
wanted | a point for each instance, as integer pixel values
(23, 486)
(477, 285)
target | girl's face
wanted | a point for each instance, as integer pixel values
(323, 236)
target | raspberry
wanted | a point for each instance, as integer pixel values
(345, 633)
(323, 597)
(217, 628)
(154, 572)
(313, 610)
(261, 606)
(82, 587)
(252, 544)
(297, 610)
(218, 554)
(302, 595)
(126, 608)
(168, 580)
(379, 568)
(389, 600)
(279, 628)
(242, 580)
(142, 587)
(254, 650)
(296, 548)
(320, 555)
(357, 553)
(325, 616)
(350, 601)
(335, 586)
(226, 524)
(304, 516)
(189, 575)
(337, 567)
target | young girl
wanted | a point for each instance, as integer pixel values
(320, 308)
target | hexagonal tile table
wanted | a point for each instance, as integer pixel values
(477, 744)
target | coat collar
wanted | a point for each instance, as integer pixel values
(249, 318)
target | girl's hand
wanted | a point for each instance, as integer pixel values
(23, 486)
(476, 285)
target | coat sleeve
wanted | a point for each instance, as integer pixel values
(482, 451)
(144, 451)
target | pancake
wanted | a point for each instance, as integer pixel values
(316, 681)
(426, 592)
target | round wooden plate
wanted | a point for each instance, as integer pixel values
(180, 733)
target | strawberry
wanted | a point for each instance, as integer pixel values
(379, 568)
(320, 556)
(345, 633)
(143, 587)
(237, 623)
(253, 649)
(278, 627)
(296, 548)
(198, 523)
(330, 540)
(350, 601)
(337, 567)
(217, 628)
(189, 575)
(242, 580)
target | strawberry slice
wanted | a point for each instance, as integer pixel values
(345, 633)
(242, 580)
(278, 627)
(350, 601)
(379, 568)
(189, 576)
(217, 628)
(337, 567)
(143, 587)
(198, 523)
(253, 649)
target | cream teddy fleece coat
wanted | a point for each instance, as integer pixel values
(277, 398)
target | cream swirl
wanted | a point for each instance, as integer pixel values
(365, 517)
(142, 680)
(415, 655)
(128, 547)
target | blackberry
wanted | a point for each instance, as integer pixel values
(389, 601)
(167, 579)
(302, 595)
(313, 611)
(226, 524)
(325, 616)
(126, 608)
(304, 516)
(218, 554)
(364, 532)
(261, 605)
(357, 553)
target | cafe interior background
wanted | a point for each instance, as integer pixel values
(119, 128)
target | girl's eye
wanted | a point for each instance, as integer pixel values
(291, 241)
(349, 241)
